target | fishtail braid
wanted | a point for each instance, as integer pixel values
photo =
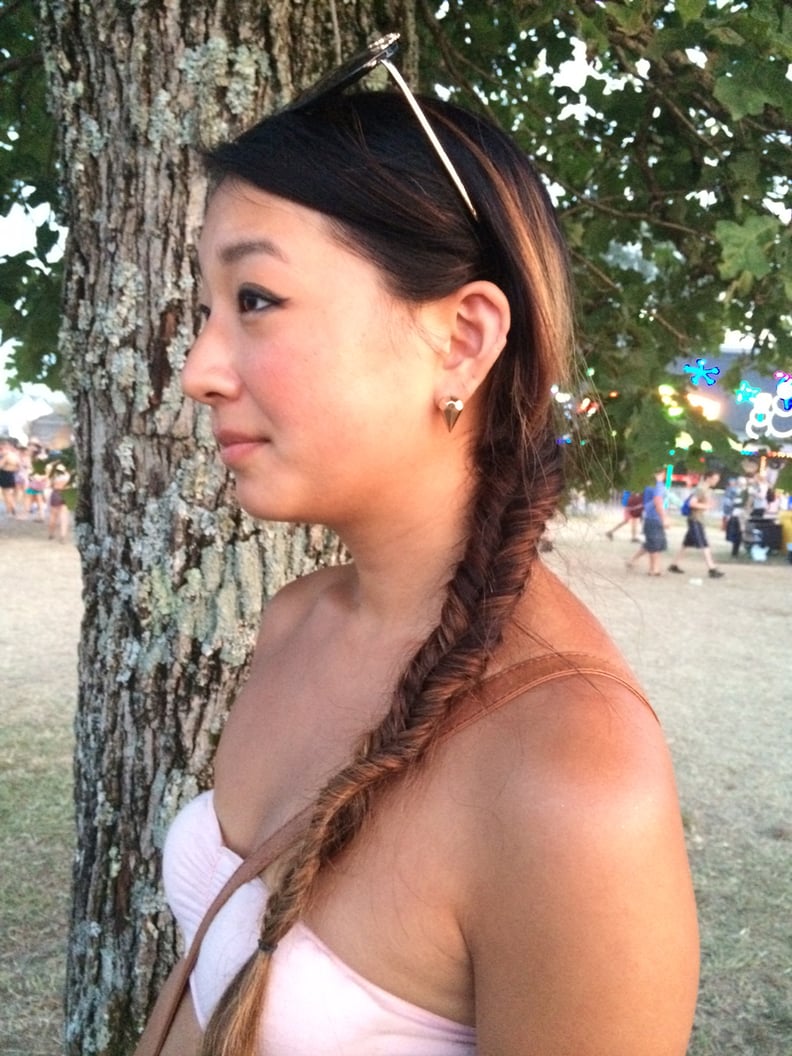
(514, 498)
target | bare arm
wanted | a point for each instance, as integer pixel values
(584, 942)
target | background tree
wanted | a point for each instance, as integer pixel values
(669, 163)
(665, 164)
(29, 283)
(174, 574)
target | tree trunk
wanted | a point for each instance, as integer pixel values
(174, 574)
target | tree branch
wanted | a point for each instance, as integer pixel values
(452, 58)
(589, 265)
(9, 9)
(23, 62)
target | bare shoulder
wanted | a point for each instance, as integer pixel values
(580, 915)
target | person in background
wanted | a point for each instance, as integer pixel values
(633, 512)
(59, 479)
(695, 536)
(10, 464)
(734, 500)
(655, 521)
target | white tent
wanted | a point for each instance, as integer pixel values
(15, 420)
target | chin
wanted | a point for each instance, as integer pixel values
(264, 504)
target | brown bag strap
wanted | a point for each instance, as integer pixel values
(511, 682)
(493, 693)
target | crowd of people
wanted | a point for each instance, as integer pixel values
(33, 483)
(747, 505)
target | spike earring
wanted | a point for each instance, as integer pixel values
(451, 411)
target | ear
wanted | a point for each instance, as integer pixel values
(474, 324)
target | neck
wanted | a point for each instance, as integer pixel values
(404, 555)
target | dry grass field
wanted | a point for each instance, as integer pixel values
(714, 656)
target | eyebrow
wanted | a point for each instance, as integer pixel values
(235, 251)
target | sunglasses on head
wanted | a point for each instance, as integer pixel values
(379, 53)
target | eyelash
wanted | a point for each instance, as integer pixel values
(246, 295)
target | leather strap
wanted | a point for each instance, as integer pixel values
(511, 682)
(493, 693)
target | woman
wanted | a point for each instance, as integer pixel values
(379, 344)
(59, 480)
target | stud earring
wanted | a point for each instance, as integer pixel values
(451, 411)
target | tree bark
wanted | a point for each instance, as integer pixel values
(174, 574)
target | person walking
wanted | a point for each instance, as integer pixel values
(734, 502)
(695, 536)
(9, 467)
(633, 511)
(655, 521)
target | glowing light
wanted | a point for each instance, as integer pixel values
(710, 408)
(770, 417)
(784, 392)
(746, 393)
(701, 372)
(684, 441)
(706, 445)
(668, 398)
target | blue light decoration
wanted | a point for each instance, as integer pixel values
(746, 393)
(701, 372)
(784, 389)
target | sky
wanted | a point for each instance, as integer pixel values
(17, 234)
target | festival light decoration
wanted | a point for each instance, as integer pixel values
(746, 393)
(701, 372)
(668, 398)
(784, 390)
(771, 416)
(711, 409)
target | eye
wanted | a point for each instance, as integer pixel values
(203, 313)
(255, 300)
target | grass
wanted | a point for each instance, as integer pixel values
(35, 849)
(745, 910)
(730, 734)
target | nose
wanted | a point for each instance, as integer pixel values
(208, 375)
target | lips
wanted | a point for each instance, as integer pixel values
(235, 447)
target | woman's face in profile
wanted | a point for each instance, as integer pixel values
(321, 385)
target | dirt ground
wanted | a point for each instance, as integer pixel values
(714, 656)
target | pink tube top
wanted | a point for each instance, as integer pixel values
(316, 1005)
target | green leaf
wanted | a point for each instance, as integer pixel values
(740, 97)
(744, 247)
(690, 10)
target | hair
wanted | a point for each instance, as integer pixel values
(363, 161)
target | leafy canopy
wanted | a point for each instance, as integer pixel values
(662, 129)
(29, 283)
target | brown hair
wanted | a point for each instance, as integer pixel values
(392, 202)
